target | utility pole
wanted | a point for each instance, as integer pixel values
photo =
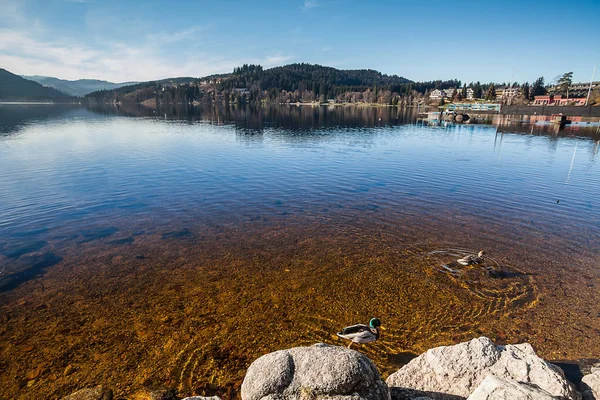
(590, 88)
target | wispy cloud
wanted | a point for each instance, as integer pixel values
(23, 53)
(135, 52)
(309, 5)
(276, 59)
(177, 36)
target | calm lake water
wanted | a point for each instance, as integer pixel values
(175, 247)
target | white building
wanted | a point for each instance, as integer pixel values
(442, 94)
(504, 92)
(437, 94)
(470, 94)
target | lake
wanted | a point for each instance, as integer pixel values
(174, 247)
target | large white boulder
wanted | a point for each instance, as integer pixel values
(590, 385)
(316, 372)
(458, 370)
(494, 388)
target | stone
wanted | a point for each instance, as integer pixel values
(68, 370)
(316, 372)
(34, 373)
(155, 393)
(590, 385)
(97, 393)
(458, 370)
(494, 388)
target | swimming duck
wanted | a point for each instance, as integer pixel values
(361, 333)
(472, 259)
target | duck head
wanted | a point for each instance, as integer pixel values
(375, 323)
(481, 254)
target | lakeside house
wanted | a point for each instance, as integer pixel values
(558, 100)
(437, 94)
(442, 94)
(580, 89)
(506, 92)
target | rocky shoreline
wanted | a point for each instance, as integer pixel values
(473, 370)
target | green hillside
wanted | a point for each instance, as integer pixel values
(15, 88)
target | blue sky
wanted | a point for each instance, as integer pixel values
(422, 40)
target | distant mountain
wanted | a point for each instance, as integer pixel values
(78, 88)
(15, 88)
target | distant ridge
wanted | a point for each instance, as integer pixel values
(79, 87)
(15, 88)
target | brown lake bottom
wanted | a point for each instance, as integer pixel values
(191, 304)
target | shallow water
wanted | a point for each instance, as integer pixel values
(176, 247)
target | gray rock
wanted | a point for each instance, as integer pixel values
(590, 385)
(458, 370)
(97, 393)
(494, 388)
(317, 372)
(519, 362)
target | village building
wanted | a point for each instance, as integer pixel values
(580, 89)
(506, 92)
(558, 100)
(442, 94)
(437, 94)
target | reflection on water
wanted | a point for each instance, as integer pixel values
(176, 248)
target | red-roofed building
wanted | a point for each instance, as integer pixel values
(557, 101)
(542, 100)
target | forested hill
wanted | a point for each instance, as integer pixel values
(15, 88)
(289, 83)
(302, 77)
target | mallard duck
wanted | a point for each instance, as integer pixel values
(361, 333)
(472, 259)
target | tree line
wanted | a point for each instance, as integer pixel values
(303, 83)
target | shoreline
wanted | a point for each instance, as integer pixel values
(569, 111)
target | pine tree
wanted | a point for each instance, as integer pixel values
(525, 90)
(477, 91)
(538, 88)
(491, 93)
(564, 82)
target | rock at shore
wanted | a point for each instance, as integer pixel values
(319, 371)
(97, 393)
(590, 385)
(494, 388)
(458, 370)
